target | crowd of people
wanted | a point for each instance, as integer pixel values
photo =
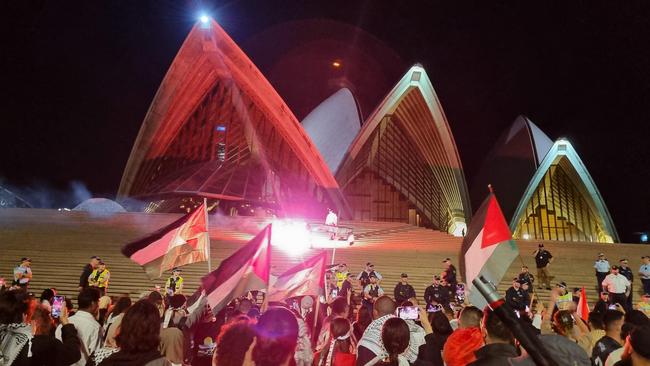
(354, 322)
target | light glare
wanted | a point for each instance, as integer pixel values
(291, 236)
(204, 19)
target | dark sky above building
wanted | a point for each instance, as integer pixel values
(78, 76)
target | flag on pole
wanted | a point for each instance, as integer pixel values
(488, 249)
(246, 270)
(306, 278)
(583, 306)
(182, 242)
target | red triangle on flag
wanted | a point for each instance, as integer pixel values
(495, 228)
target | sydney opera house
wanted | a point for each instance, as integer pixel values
(217, 129)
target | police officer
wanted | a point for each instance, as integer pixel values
(602, 270)
(364, 276)
(403, 290)
(23, 273)
(526, 277)
(449, 275)
(174, 284)
(372, 292)
(515, 296)
(626, 271)
(436, 294)
(99, 278)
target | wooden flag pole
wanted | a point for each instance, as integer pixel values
(207, 228)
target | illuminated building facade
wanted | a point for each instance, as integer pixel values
(544, 188)
(217, 129)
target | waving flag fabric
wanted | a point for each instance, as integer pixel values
(306, 278)
(488, 249)
(246, 270)
(182, 242)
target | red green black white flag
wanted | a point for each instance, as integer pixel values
(306, 278)
(488, 249)
(245, 270)
(182, 242)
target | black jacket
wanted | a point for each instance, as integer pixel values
(83, 279)
(49, 351)
(496, 354)
(438, 294)
(403, 292)
(153, 358)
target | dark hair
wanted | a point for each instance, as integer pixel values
(470, 316)
(563, 322)
(177, 300)
(395, 335)
(637, 318)
(234, 340)
(364, 317)
(87, 297)
(495, 327)
(277, 337)
(122, 304)
(140, 329)
(155, 298)
(610, 317)
(338, 328)
(440, 323)
(47, 294)
(596, 320)
(45, 322)
(244, 305)
(13, 305)
(339, 305)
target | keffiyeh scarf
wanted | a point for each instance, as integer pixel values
(372, 338)
(13, 338)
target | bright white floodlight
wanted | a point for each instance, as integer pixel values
(204, 19)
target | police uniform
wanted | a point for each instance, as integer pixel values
(99, 279)
(602, 270)
(173, 285)
(436, 294)
(403, 292)
(627, 272)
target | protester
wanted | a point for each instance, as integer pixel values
(617, 286)
(543, 259)
(449, 274)
(613, 320)
(114, 320)
(138, 338)
(364, 318)
(644, 273)
(340, 309)
(87, 271)
(364, 276)
(626, 271)
(46, 298)
(276, 338)
(234, 340)
(99, 278)
(45, 348)
(596, 332)
(569, 326)
(463, 342)
(603, 303)
(331, 219)
(637, 348)
(89, 330)
(435, 341)
(23, 273)
(395, 338)
(403, 290)
(498, 341)
(174, 284)
(633, 319)
(602, 270)
(339, 349)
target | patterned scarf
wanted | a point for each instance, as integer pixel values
(372, 338)
(13, 338)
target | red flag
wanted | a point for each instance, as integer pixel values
(583, 306)
(246, 270)
(306, 278)
(487, 249)
(182, 242)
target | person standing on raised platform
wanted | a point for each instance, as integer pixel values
(403, 290)
(87, 271)
(449, 274)
(23, 273)
(543, 259)
(602, 270)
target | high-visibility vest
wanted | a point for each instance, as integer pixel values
(645, 307)
(564, 301)
(173, 286)
(99, 279)
(340, 277)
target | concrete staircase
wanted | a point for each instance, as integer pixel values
(60, 243)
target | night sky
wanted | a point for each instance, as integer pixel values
(78, 77)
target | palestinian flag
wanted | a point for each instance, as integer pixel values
(488, 248)
(182, 242)
(246, 270)
(583, 306)
(306, 278)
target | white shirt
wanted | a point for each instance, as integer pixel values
(89, 332)
(645, 271)
(602, 266)
(616, 283)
